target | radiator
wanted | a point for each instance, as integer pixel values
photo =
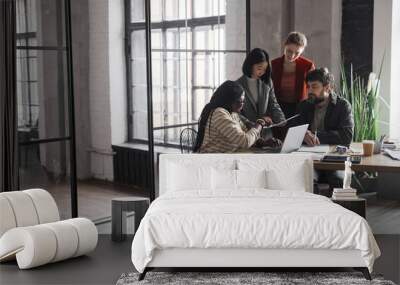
(131, 166)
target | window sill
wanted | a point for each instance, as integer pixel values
(145, 147)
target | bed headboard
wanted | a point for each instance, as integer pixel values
(284, 163)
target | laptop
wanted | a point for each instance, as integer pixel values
(293, 140)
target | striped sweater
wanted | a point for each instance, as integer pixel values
(225, 132)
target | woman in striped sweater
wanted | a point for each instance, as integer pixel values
(220, 127)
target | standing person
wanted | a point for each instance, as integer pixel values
(289, 74)
(260, 101)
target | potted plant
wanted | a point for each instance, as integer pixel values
(364, 99)
(364, 102)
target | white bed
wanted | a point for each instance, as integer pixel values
(201, 219)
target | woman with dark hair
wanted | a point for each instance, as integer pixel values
(260, 102)
(220, 127)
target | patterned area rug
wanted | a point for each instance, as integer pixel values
(242, 278)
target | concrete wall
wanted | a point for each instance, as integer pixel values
(395, 71)
(320, 21)
(382, 47)
(235, 37)
(117, 72)
(386, 46)
(100, 84)
(266, 26)
(80, 48)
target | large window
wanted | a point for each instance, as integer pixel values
(196, 45)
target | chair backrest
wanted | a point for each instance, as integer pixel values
(188, 140)
(26, 208)
(294, 170)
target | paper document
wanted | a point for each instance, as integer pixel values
(281, 123)
(393, 154)
(323, 148)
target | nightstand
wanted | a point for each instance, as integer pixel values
(357, 205)
(119, 207)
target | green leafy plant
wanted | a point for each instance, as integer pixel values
(364, 100)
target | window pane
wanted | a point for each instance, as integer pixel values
(171, 9)
(26, 15)
(138, 44)
(173, 38)
(200, 98)
(42, 94)
(156, 39)
(48, 15)
(156, 10)
(137, 11)
(138, 110)
(204, 71)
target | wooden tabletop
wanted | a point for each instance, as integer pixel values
(376, 162)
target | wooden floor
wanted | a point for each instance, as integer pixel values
(94, 196)
(102, 266)
(383, 215)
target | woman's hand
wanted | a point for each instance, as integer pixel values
(261, 122)
(268, 121)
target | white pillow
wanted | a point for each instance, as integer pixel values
(283, 172)
(278, 179)
(182, 178)
(251, 178)
(224, 179)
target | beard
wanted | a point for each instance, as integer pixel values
(314, 99)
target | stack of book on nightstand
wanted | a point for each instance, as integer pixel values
(344, 194)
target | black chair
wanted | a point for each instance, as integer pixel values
(188, 140)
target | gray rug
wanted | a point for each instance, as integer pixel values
(242, 278)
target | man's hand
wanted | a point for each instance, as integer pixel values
(310, 139)
(268, 120)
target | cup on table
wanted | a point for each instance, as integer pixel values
(368, 147)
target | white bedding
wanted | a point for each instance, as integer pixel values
(252, 218)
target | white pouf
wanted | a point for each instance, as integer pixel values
(31, 233)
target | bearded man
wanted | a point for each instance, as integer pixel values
(329, 115)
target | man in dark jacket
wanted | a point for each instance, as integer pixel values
(329, 116)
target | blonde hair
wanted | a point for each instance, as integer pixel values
(296, 38)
